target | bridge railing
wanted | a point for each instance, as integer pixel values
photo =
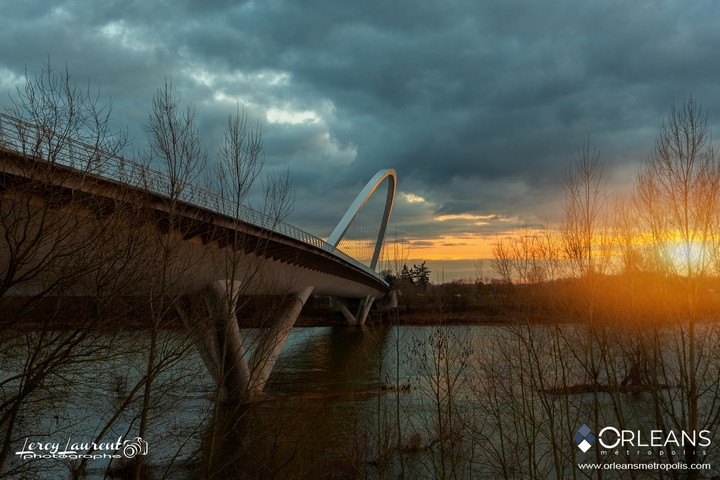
(40, 143)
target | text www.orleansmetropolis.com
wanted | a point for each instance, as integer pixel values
(652, 466)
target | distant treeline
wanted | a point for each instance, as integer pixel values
(630, 297)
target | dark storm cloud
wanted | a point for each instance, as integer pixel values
(480, 106)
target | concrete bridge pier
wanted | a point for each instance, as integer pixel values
(268, 350)
(219, 341)
(361, 314)
(217, 337)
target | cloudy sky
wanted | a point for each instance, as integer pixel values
(479, 105)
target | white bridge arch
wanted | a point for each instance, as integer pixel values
(382, 176)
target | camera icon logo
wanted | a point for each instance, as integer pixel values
(133, 448)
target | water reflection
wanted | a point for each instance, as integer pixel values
(333, 360)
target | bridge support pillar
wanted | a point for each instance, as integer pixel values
(267, 352)
(393, 299)
(362, 313)
(218, 338)
(345, 311)
(364, 310)
(219, 342)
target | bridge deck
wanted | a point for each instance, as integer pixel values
(290, 256)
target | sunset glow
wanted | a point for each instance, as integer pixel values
(459, 247)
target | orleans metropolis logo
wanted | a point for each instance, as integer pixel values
(612, 438)
(584, 438)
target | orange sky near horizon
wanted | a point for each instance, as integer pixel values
(468, 236)
(444, 247)
(449, 257)
(455, 257)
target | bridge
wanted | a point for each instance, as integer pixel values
(234, 250)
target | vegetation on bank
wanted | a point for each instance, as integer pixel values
(648, 298)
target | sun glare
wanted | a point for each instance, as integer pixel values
(683, 256)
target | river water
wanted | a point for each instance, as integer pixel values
(348, 402)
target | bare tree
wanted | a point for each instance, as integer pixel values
(625, 234)
(240, 164)
(678, 192)
(501, 262)
(174, 146)
(174, 140)
(585, 195)
(66, 115)
(57, 242)
(584, 238)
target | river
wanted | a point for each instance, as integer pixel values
(348, 402)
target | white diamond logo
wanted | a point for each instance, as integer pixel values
(584, 446)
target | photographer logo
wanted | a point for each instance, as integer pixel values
(84, 450)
